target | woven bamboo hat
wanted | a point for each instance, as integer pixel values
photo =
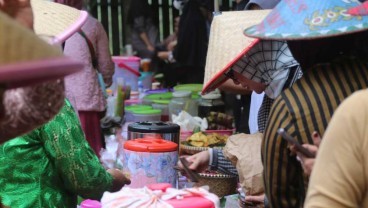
(56, 20)
(227, 44)
(309, 19)
(25, 58)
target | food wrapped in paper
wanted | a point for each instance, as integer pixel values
(244, 151)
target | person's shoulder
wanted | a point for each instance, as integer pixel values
(358, 100)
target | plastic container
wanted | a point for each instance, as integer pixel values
(146, 79)
(150, 160)
(129, 111)
(128, 68)
(162, 105)
(134, 95)
(210, 102)
(133, 102)
(166, 130)
(146, 115)
(194, 88)
(148, 99)
(182, 101)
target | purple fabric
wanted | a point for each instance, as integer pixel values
(82, 88)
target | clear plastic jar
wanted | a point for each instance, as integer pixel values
(182, 100)
(211, 102)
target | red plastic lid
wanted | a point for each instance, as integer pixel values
(150, 144)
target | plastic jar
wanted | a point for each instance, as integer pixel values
(146, 115)
(153, 161)
(210, 102)
(162, 105)
(182, 101)
(129, 111)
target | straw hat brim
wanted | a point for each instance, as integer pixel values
(56, 20)
(227, 44)
(308, 20)
(25, 58)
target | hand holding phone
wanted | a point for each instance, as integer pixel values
(298, 146)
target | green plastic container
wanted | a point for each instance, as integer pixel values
(130, 109)
(194, 88)
(148, 99)
(146, 115)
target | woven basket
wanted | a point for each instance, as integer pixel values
(220, 184)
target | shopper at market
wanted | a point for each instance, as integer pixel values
(144, 31)
(340, 172)
(83, 88)
(191, 49)
(52, 165)
(334, 64)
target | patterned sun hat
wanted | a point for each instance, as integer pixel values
(56, 20)
(360, 10)
(227, 44)
(309, 19)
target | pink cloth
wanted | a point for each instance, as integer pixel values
(82, 88)
(90, 122)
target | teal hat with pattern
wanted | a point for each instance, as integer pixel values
(309, 19)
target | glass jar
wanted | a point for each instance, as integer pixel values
(211, 102)
(182, 100)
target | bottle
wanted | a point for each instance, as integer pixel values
(182, 101)
(211, 102)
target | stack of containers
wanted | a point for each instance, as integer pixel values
(194, 88)
(149, 98)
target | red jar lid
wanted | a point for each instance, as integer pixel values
(150, 144)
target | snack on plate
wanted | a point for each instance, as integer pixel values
(201, 139)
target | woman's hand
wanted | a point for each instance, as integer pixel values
(255, 199)
(119, 179)
(198, 162)
(308, 163)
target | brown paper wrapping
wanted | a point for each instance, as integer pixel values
(244, 151)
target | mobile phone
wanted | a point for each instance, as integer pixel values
(291, 140)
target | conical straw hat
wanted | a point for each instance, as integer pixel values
(227, 44)
(56, 20)
(309, 19)
(24, 57)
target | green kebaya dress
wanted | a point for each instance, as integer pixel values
(51, 166)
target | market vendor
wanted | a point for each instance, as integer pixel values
(52, 165)
(332, 54)
(28, 107)
(29, 66)
(251, 70)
